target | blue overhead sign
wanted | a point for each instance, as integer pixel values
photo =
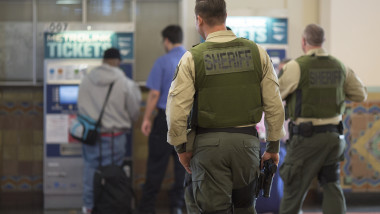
(262, 30)
(87, 44)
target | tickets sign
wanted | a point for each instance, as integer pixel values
(87, 44)
(262, 30)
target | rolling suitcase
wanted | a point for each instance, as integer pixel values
(113, 193)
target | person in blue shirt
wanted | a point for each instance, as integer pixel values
(160, 151)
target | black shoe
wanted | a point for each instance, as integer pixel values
(175, 210)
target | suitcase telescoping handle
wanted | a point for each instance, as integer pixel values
(112, 152)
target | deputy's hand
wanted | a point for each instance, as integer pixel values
(146, 127)
(266, 156)
(184, 159)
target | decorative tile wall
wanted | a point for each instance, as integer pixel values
(361, 169)
(21, 139)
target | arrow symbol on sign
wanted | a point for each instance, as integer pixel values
(124, 52)
(278, 29)
(278, 37)
(124, 44)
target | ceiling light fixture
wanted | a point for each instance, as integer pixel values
(68, 1)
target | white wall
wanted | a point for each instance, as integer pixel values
(354, 32)
(299, 14)
(187, 21)
(256, 8)
(352, 27)
(324, 20)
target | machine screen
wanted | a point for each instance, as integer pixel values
(68, 94)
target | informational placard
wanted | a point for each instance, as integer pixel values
(57, 126)
(87, 44)
(262, 30)
(66, 72)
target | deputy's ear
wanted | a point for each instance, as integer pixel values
(303, 41)
(199, 19)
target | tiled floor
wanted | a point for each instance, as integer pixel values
(350, 209)
(309, 210)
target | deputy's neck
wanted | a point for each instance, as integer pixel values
(213, 29)
(311, 47)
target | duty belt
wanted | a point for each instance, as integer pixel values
(307, 129)
(251, 130)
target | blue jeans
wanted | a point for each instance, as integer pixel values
(91, 156)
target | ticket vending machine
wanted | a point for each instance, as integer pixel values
(69, 56)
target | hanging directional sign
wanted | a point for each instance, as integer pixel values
(262, 30)
(87, 44)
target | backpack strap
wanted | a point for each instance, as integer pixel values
(104, 105)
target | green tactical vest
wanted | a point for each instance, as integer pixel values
(320, 92)
(227, 84)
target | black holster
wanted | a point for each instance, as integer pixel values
(307, 129)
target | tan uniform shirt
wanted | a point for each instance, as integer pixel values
(353, 87)
(181, 94)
